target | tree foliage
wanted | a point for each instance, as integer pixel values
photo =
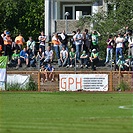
(119, 15)
(25, 16)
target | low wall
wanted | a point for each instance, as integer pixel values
(114, 78)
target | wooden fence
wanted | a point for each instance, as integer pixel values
(114, 78)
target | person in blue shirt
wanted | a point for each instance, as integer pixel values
(49, 72)
(23, 58)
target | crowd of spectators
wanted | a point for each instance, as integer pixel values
(83, 50)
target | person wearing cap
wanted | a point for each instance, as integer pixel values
(128, 63)
(120, 64)
(7, 45)
(94, 59)
(84, 59)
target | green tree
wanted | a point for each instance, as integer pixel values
(25, 16)
(119, 15)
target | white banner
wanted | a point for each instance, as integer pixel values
(2, 85)
(18, 79)
(2, 75)
(86, 82)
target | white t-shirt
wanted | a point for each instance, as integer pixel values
(42, 42)
(48, 54)
(64, 53)
(119, 42)
(78, 36)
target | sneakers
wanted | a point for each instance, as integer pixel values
(71, 66)
(67, 66)
(52, 80)
(17, 66)
(46, 80)
(86, 66)
(81, 66)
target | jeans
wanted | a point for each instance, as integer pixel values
(109, 53)
(57, 51)
(119, 51)
(78, 50)
(130, 51)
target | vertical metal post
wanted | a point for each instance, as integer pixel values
(66, 24)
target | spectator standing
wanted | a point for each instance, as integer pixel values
(31, 45)
(94, 59)
(19, 41)
(72, 42)
(130, 45)
(64, 40)
(56, 42)
(42, 39)
(87, 41)
(78, 43)
(95, 36)
(1, 45)
(119, 46)
(7, 45)
(109, 51)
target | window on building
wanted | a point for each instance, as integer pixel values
(70, 10)
(85, 9)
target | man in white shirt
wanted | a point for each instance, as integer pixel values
(63, 57)
(130, 45)
(119, 46)
(78, 43)
(48, 55)
(42, 38)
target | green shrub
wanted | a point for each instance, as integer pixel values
(30, 86)
(123, 86)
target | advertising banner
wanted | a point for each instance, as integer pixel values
(86, 82)
(3, 63)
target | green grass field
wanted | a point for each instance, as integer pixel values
(66, 112)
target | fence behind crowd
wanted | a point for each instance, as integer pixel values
(82, 80)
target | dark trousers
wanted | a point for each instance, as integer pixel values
(8, 51)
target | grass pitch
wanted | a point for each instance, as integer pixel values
(65, 112)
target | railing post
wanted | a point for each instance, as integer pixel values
(39, 89)
(111, 81)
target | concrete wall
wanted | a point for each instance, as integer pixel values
(72, 25)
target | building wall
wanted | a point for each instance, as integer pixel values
(72, 25)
